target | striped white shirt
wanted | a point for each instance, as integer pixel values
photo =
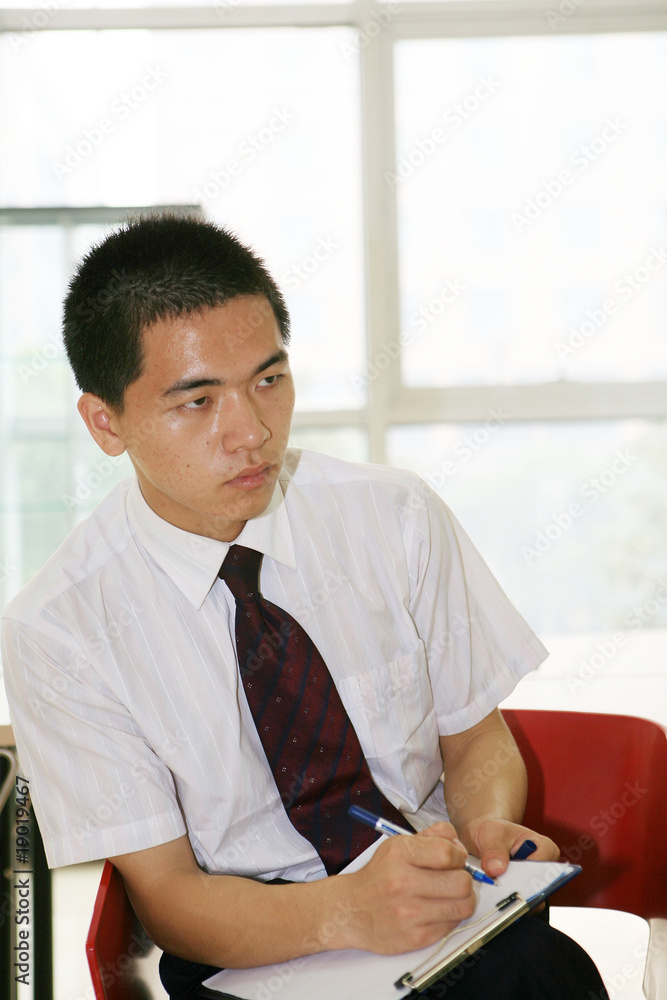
(123, 683)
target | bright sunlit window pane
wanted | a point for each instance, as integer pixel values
(260, 127)
(532, 210)
(52, 471)
(35, 376)
(570, 516)
(348, 443)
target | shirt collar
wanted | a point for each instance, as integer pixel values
(192, 561)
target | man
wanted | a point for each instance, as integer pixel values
(132, 692)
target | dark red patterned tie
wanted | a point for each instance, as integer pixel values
(309, 741)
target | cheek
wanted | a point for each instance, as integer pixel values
(179, 438)
(287, 408)
(164, 456)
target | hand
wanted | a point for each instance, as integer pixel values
(494, 841)
(412, 892)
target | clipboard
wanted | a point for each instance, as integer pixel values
(484, 929)
(361, 975)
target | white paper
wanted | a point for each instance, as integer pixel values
(361, 975)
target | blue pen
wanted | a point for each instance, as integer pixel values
(391, 830)
(526, 849)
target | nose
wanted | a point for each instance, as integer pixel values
(243, 428)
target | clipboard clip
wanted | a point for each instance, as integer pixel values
(512, 898)
(505, 912)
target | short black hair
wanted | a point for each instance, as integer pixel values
(152, 268)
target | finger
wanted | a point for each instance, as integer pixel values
(499, 841)
(445, 830)
(495, 840)
(442, 900)
(495, 861)
(441, 829)
(455, 884)
(427, 921)
(433, 851)
(496, 858)
(451, 910)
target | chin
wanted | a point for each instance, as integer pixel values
(245, 509)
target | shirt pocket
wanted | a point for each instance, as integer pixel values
(392, 711)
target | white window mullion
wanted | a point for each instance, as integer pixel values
(549, 401)
(382, 371)
(496, 18)
(222, 14)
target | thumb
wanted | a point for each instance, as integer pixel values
(495, 839)
(495, 861)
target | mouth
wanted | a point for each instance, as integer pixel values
(251, 477)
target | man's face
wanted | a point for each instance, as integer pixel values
(206, 424)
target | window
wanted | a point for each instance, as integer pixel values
(463, 204)
(532, 255)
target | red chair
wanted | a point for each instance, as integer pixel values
(117, 946)
(598, 788)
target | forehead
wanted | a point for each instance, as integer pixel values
(228, 334)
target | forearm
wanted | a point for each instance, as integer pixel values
(484, 775)
(236, 922)
(485, 792)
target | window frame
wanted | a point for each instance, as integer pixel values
(380, 26)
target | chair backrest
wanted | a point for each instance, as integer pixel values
(598, 788)
(115, 943)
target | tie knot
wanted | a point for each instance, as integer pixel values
(240, 571)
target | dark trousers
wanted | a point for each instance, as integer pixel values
(529, 961)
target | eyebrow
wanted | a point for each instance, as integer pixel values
(188, 384)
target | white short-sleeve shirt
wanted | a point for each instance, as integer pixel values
(123, 683)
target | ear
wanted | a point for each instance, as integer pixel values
(102, 422)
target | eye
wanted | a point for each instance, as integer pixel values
(270, 380)
(195, 404)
